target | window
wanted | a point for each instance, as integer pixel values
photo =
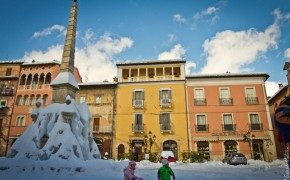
(251, 97)
(228, 122)
(19, 100)
(98, 99)
(225, 96)
(138, 125)
(164, 121)
(8, 71)
(3, 103)
(203, 148)
(96, 124)
(82, 99)
(165, 97)
(20, 121)
(138, 98)
(201, 123)
(199, 98)
(230, 146)
(255, 122)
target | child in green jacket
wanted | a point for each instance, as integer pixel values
(165, 172)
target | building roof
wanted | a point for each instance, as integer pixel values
(11, 62)
(98, 84)
(174, 61)
(278, 92)
(33, 62)
(228, 75)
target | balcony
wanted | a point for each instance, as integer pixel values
(229, 127)
(102, 129)
(226, 101)
(201, 128)
(165, 128)
(252, 100)
(138, 128)
(4, 110)
(165, 102)
(256, 126)
(138, 103)
(7, 91)
(199, 101)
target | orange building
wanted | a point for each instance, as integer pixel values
(9, 75)
(34, 84)
(229, 113)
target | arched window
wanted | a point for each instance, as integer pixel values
(230, 146)
(26, 100)
(28, 82)
(121, 152)
(19, 100)
(41, 81)
(32, 100)
(22, 79)
(171, 145)
(47, 78)
(34, 81)
(44, 99)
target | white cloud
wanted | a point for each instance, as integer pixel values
(271, 87)
(233, 51)
(94, 61)
(179, 18)
(210, 11)
(189, 67)
(287, 54)
(171, 38)
(49, 30)
(177, 52)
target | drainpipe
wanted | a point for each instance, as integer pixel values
(187, 119)
(113, 122)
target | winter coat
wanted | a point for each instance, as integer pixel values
(129, 173)
(165, 173)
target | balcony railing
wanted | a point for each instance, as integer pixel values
(252, 100)
(138, 128)
(199, 101)
(138, 103)
(229, 127)
(201, 128)
(256, 126)
(165, 102)
(226, 101)
(102, 129)
(165, 127)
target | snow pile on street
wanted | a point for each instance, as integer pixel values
(61, 131)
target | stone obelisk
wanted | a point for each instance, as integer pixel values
(65, 84)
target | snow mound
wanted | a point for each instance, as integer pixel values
(59, 131)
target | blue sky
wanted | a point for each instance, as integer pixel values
(213, 36)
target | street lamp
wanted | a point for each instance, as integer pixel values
(151, 139)
(248, 137)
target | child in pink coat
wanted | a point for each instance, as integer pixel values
(129, 172)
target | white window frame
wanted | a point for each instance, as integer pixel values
(138, 102)
(195, 95)
(165, 101)
(254, 113)
(82, 99)
(220, 92)
(254, 90)
(22, 122)
(223, 114)
(98, 99)
(196, 119)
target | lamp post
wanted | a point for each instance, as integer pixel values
(150, 139)
(248, 137)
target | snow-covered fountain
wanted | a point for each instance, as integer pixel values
(59, 131)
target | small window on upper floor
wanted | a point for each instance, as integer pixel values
(20, 121)
(8, 71)
(251, 97)
(199, 97)
(138, 98)
(225, 97)
(82, 99)
(3, 103)
(165, 97)
(98, 99)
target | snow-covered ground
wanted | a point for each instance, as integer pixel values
(59, 169)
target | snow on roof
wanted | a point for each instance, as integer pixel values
(11, 62)
(65, 78)
(151, 62)
(33, 62)
(227, 75)
(98, 84)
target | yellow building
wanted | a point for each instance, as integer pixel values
(151, 109)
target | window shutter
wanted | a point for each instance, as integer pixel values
(169, 94)
(160, 94)
(142, 95)
(160, 118)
